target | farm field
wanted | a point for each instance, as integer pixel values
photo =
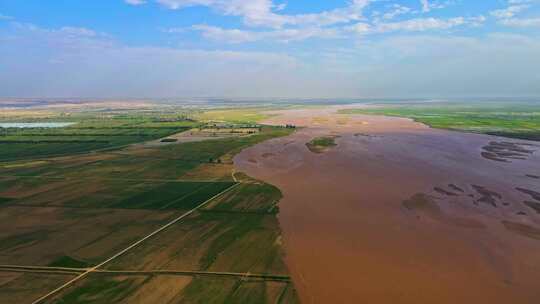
(106, 215)
(18, 287)
(516, 120)
(207, 241)
(41, 236)
(270, 152)
(175, 288)
(86, 132)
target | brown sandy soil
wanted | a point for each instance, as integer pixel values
(356, 232)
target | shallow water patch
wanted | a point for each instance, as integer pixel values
(30, 125)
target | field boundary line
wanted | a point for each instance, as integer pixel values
(157, 180)
(39, 268)
(94, 268)
(71, 270)
(268, 277)
(47, 272)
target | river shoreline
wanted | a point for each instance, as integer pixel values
(350, 236)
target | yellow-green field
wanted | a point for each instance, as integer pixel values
(249, 116)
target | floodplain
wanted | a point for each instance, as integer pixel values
(399, 212)
(382, 203)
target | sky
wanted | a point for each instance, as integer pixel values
(269, 48)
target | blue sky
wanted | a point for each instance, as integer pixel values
(269, 48)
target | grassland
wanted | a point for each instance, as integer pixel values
(77, 209)
(321, 144)
(516, 120)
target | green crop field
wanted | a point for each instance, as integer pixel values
(18, 287)
(516, 121)
(104, 288)
(248, 197)
(184, 195)
(89, 132)
(103, 193)
(73, 196)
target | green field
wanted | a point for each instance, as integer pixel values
(88, 194)
(518, 120)
(90, 131)
(106, 288)
(17, 287)
(103, 193)
(248, 197)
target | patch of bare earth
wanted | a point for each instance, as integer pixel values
(167, 289)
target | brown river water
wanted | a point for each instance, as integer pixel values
(401, 213)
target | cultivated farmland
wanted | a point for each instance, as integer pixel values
(123, 223)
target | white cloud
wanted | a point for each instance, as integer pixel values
(76, 62)
(360, 28)
(429, 5)
(421, 24)
(416, 25)
(508, 15)
(425, 6)
(282, 35)
(509, 12)
(523, 22)
(265, 12)
(397, 10)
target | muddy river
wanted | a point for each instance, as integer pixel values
(401, 213)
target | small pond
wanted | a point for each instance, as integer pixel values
(24, 125)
